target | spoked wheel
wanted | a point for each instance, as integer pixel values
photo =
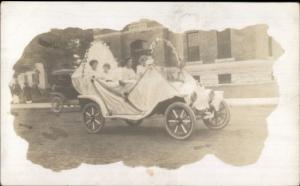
(180, 120)
(57, 104)
(133, 123)
(221, 118)
(92, 118)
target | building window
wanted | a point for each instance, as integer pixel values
(224, 78)
(193, 53)
(224, 44)
(197, 78)
(193, 49)
(270, 46)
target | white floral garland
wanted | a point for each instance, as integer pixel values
(155, 42)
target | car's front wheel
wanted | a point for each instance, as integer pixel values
(180, 120)
(220, 118)
(93, 118)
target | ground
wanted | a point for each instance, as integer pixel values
(60, 142)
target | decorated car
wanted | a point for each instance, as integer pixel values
(168, 91)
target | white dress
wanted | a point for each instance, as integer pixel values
(106, 76)
(127, 75)
(140, 70)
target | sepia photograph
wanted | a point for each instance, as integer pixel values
(101, 93)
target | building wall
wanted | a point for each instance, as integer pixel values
(243, 43)
(241, 72)
(207, 43)
(249, 43)
(248, 62)
(277, 51)
(261, 42)
(208, 46)
(252, 56)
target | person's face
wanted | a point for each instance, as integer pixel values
(142, 61)
(106, 69)
(94, 66)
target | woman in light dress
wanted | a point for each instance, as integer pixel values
(144, 62)
(125, 75)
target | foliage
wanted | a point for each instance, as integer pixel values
(55, 49)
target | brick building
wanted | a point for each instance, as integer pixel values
(135, 40)
(233, 56)
(225, 59)
(213, 57)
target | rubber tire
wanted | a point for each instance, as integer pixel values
(83, 117)
(209, 125)
(192, 117)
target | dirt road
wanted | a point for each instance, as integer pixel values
(60, 142)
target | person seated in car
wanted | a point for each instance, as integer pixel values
(94, 65)
(106, 74)
(141, 67)
(144, 63)
(127, 74)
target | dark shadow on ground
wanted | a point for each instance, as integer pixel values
(60, 142)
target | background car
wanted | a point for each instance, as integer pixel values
(62, 91)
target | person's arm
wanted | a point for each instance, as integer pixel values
(129, 81)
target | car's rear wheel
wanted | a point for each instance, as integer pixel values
(57, 104)
(93, 118)
(180, 120)
(133, 123)
(220, 119)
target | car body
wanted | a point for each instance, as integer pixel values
(171, 92)
(62, 90)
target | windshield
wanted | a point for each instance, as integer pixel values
(63, 80)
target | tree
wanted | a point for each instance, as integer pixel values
(59, 48)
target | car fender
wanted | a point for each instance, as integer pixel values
(207, 97)
(98, 101)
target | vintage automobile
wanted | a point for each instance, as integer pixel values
(169, 91)
(62, 91)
